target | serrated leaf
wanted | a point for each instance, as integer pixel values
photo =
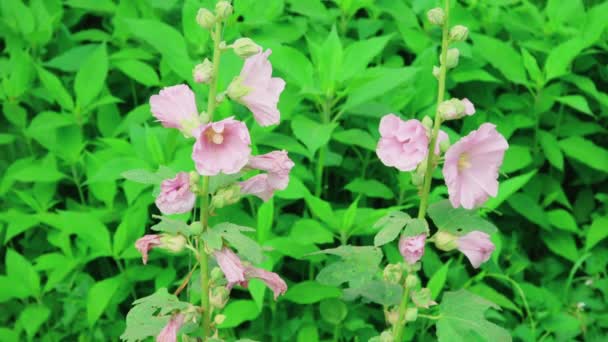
(99, 297)
(586, 152)
(247, 247)
(390, 227)
(376, 291)
(458, 221)
(357, 266)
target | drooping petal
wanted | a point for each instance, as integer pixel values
(477, 247)
(175, 107)
(175, 196)
(145, 244)
(272, 280)
(169, 332)
(231, 266)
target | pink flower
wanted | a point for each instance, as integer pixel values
(259, 91)
(471, 167)
(277, 164)
(469, 108)
(412, 247)
(169, 332)
(453, 109)
(236, 273)
(476, 246)
(221, 146)
(403, 144)
(260, 186)
(175, 107)
(175, 196)
(145, 244)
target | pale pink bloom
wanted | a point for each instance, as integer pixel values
(471, 167)
(175, 107)
(476, 246)
(175, 196)
(412, 247)
(222, 146)
(403, 144)
(441, 137)
(261, 186)
(469, 108)
(277, 164)
(238, 274)
(263, 90)
(169, 332)
(271, 279)
(145, 243)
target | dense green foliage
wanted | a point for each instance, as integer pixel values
(76, 79)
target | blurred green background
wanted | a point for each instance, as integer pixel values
(76, 77)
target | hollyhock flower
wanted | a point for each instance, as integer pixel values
(404, 144)
(260, 186)
(175, 196)
(258, 90)
(145, 244)
(236, 273)
(222, 146)
(412, 247)
(476, 246)
(169, 332)
(175, 107)
(277, 164)
(471, 167)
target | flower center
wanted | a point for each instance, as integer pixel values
(464, 162)
(215, 137)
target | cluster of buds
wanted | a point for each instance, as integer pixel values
(458, 33)
(207, 19)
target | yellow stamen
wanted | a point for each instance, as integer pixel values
(215, 137)
(464, 162)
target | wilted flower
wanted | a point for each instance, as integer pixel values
(412, 247)
(258, 90)
(471, 167)
(477, 247)
(145, 244)
(221, 146)
(277, 164)
(455, 109)
(403, 144)
(169, 332)
(260, 186)
(175, 196)
(175, 107)
(271, 279)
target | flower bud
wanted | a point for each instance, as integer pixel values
(444, 145)
(204, 118)
(172, 243)
(195, 228)
(219, 319)
(452, 58)
(445, 241)
(436, 16)
(194, 178)
(436, 71)
(411, 314)
(203, 72)
(205, 18)
(223, 9)
(387, 336)
(392, 316)
(427, 122)
(453, 109)
(392, 273)
(459, 33)
(411, 281)
(245, 47)
(219, 297)
(226, 196)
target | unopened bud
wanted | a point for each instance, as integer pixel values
(237, 89)
(223, 9)
(392, 273)
(392, 316)
(195, 228)
(444, 145)
(205, 18)
(245, 47)
(203, 72)
(219, 319)
(453, 109)
(459, 33)
(226, 196)
(436, 71)
(172, 243)
(216, 274)
(387, 336)
(411, 281)
(436, 16)
(204, 118)
(445, 241)
(219, 297)
(452, 58)
(427, 122)
(411, 314)
(194, 178)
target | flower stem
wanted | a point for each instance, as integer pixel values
(400, 325)
(204, 258)
(322, 151)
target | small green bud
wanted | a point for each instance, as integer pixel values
(226, 196)
(194, 178)
(173, 243)
(203, 72)
(237, 89)
(427, 122)
(245, 47)
(204, 118)
(223, 9)
(411, 281)
(195, 228)
(444, 145)
(436, 71)
(219, 319)
(392, 273)
(459, 33)
(411, 314)
(452, 58)
(391, 316)
(445, 241)
(436, 16)
(219, 297)
(205, 18)
(386, 336)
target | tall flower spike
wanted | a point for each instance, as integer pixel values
(258, 90)
(471, 167)
(175, 196)
(175, 107)
(403, 144)
(222, 146)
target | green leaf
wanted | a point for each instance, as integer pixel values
(311, 133)
(308, 292)
(531, 210)
(379, 82)
(494, 296)
(333, 311)
(239, 311)
(376, 291)
(462, 319)
(559, 218)
(531, 66)
(560, 57)
(139, 71)
(577, 102)
(516, 158)
(357, 266)
(99, 297)
(90, 78)
(246, 246)
(322, 210)
(438, 279)
(356, 137)
(502, 56)
(265, 217)
(22, 273)
(509, 187)
(597, 232)
(359, 54)
(561, 243)
(330, 61)
(308, 231)
(56, 89)
(293, 64)
(390, 227)
(551, 148)
(586, 152)
(458, 221)
(32, 318)
(369, 188)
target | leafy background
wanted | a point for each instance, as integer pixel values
(76, 78)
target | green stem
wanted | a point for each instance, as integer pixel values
(322, 152)
(204, 214)
(400, 325)
(337, 333)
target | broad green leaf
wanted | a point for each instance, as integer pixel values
(438, 279)
(502, 56)
(458, 221)
(377, 291)
(99, 297)
(390, 227)
(378, 82)
(561, 243)
(239, 311)
(32, 318)
(531, 66)
(357, 266)
(526, 206)
(508, 187)
(139, 71)
(90, 78)
(246, 246)
(494, 296)
(330, 61)
(586, 152)
(358, 55)
(577, 102)
(333, 310)
(356, 137)
(53, 84)
(293, 64)
(463, 319)
(552, 150)
(322, 210)
(21, 272)
(597, 232)
(516, 158)
(311, 133)
(308, 231)
(559, 218)
(265, 217)
(369, 188)
(309, 292)
(560, 57)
